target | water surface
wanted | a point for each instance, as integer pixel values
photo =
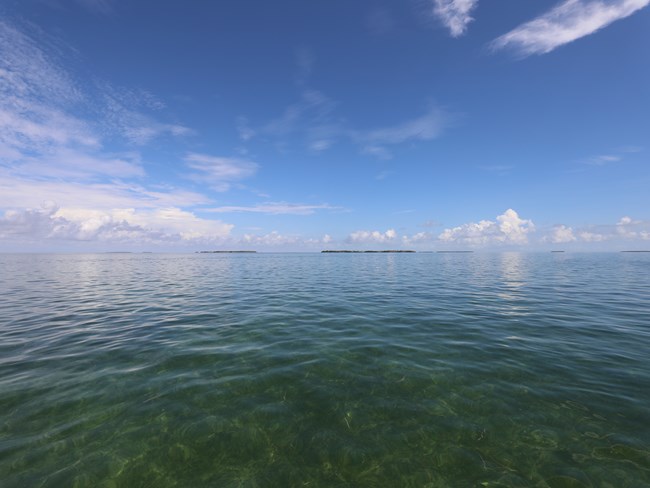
(413, 370)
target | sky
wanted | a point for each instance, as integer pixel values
(169, 126)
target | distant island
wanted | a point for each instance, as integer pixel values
(350, 251)
(225, 252)
(635, 251)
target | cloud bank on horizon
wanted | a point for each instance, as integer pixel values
(337, 146)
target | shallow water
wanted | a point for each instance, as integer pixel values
(409, 370)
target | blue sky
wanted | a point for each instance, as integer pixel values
(299, 126)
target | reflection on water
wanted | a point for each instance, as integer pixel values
(325, 370)
(513, 278)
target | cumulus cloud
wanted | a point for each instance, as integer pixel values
(418, 239)
(565, 23)
(165, 225)
(628, 228)
(622, 233)
(562, 234)
(509, 228)
(219, 172)
(455, 14)
(366, 236)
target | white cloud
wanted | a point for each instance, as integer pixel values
(18, 192)
(245, 132)
(123, 112)
(274, 240)
(314, 110)
(219, 172)
(633, 229)
(311, 119)
(27, 126)
(418, 238)
(275, 208)
(565, 23)
(164, 225)
(509, 228)
(365, 236)
(624, 232)
(587, 236)
(271, 239)
(562, 234)
(604, 159)
(70, 164)
(377, 151)
(27, 71)
(455, 14)
(320, 145)
(424, 128)
(41, 134)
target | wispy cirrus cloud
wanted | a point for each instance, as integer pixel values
(426, 127)
(19, 191)
(58, 180)
(274, 208)
(312, 119)
(127, 113)
(29, 70)
(565, 23)
(455, 14)
(604, 159)
(73, 165)
(219, 172)
(41, 130)
(613, 157)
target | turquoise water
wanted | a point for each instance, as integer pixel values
(409, 370)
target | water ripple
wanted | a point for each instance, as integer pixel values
(325, 370)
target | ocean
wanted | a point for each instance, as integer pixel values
(334, 370)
